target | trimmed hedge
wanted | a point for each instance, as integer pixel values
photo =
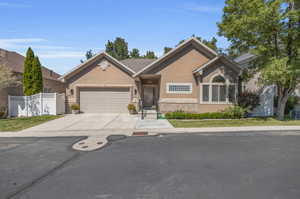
(235, 112)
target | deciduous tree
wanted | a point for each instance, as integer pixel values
(270, 29)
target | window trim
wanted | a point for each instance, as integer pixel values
(179, 84)
(210, 93)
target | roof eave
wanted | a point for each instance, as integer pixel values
(104, 54)
(174, 50)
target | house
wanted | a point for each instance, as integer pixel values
(191, 77)
(267, 93)
(15, 62)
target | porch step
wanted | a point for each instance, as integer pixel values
(149, 114)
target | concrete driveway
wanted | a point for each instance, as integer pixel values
(88, 122)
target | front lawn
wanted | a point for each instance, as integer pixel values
(233, 123)
(17, 124)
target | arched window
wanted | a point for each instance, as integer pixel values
(218, 91)
(218, 79)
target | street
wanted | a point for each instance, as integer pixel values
(193, 166)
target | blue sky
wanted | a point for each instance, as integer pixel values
(60, 32)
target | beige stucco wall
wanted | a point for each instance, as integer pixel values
(55, 86)
(180, 70)
(94, 76)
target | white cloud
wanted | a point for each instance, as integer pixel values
(202, 8)
(41, 49)
(19, 42)
(14, 5)
(61, 54)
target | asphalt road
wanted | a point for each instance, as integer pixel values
(24, 161)
(166, 167)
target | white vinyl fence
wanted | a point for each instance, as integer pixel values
(38, 104)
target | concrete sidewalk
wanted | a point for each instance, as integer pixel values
(129, 131)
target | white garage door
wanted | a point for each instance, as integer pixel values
(104, 100)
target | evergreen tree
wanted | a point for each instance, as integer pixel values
(150, 55)
(167, 49)
(135, 53)
(89, 54)
(110, 48)
(121, 48)
(27, 74)
(37, 76)
(117, 49)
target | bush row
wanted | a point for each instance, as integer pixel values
(234, 112)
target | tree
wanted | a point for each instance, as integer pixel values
(210, 43)
(37, 76)
(89, 54)
(167, 49)
(118, 49)
(110, 48)
(6, 77)
(135, 53)
(150, 55)
(27, 74)
(270, 30)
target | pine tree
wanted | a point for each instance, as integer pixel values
(27, 74)
(110, 49)
(167, 49)
(150, 55)
(135, 53)
(117, 49)
(37, 76)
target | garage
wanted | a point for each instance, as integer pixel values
(104, 100)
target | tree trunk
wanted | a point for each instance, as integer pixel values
(281, 107)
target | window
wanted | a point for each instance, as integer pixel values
(218, 91)
(179, 88)
(205, 95)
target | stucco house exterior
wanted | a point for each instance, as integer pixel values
(15, 62)
(191, 77)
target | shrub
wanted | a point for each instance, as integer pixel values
(234, 112)
(290, 104)
(75, 107)
(131, 108)
(3, 112)
(248, 100)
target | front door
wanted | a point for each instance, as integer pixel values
(148, 96)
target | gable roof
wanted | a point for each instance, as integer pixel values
(136, 64)
(94, 58)
(15, 62)
(210, 52)
(232, 63)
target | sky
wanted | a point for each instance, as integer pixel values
(60, 32)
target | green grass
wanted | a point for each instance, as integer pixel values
(233, 123)
(17, 124)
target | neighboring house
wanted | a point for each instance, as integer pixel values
(15, 62)
(191, 77)
(267, 93)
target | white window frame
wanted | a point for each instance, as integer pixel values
(179, 84)
(210, 85)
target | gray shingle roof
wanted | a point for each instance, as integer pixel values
(137, 64)
(244, 59)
